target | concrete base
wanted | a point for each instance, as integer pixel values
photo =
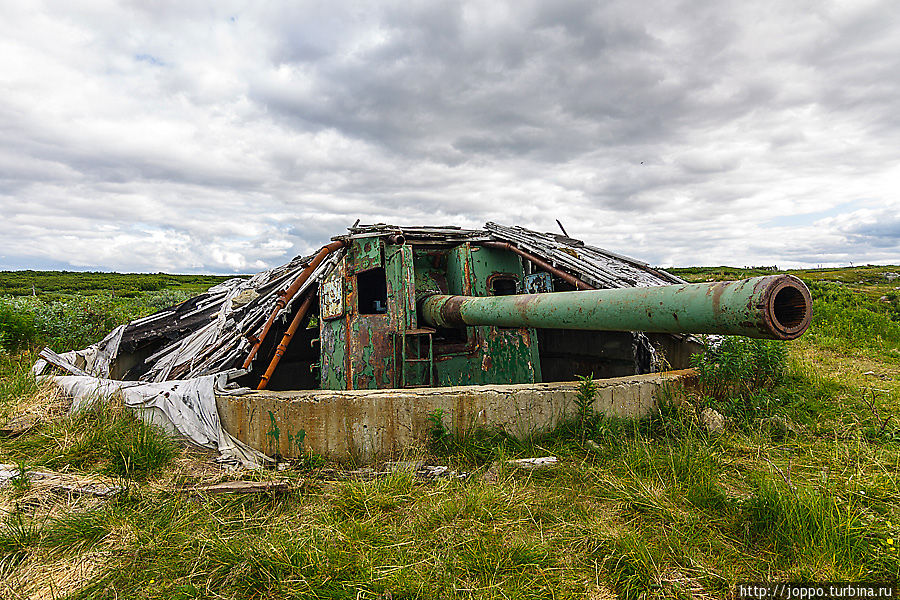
(368, 424)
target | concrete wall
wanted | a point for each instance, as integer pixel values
(367, 424)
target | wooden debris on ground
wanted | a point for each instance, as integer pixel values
(532, 463)
(58, 361)
(61, 483)
(19, 425)
(419, 469)
(239, 487)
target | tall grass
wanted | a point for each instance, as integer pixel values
(809, 525)
(16, 380)
(655, 508)
(107, 438)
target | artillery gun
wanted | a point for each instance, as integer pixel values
(386, 308)
(397, 312)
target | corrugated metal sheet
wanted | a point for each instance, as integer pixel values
(596, 266)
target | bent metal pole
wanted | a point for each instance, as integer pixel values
(288, 335)
(772, 307)
(288, 294)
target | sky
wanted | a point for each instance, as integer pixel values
(228, 137)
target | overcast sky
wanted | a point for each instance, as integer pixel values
(170, 136)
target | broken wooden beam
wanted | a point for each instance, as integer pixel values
(61, 483)
(239, 487)
(19, 425)
(58, 361)
(532, 463)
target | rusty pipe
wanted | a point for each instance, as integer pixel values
(288, 335)
(288, 294)
(567, 277)
(396, 238)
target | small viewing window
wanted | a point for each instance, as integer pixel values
(503, 286)
(372, 292)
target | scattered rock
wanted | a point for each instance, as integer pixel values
(713, 421)
(869, 373)
(492, 475)
(891, 276)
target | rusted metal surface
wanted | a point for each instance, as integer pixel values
(332, 296)
(537, 283)
(288, 294)
(773, 307)
(360, 346)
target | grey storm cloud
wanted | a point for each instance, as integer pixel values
(228, 137)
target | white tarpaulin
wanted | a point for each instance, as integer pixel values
(184, 407)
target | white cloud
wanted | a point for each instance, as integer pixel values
(227, 137)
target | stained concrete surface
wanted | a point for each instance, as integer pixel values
(364, 425)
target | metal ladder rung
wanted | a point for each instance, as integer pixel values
(429, 360)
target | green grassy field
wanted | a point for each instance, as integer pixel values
(804, 484)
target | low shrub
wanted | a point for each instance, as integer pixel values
(737, 376)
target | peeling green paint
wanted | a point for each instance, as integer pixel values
(297, 439)
(363, 351)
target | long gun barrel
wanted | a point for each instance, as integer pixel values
(772, 307)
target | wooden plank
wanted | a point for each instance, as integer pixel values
(58, 361)
(62, 483)
(533, 463)
(240, 487)
(19, 425)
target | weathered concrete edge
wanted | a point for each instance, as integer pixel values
(369, 424)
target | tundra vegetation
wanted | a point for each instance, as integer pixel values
(803, 484)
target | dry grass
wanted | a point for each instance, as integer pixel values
(49, 576)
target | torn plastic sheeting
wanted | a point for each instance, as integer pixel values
(96, 359)
(186, 408)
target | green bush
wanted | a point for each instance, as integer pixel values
(736, 375)
(737, 366)
(17, 326)
(161, 300)
(843, 320)
(63, 325)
